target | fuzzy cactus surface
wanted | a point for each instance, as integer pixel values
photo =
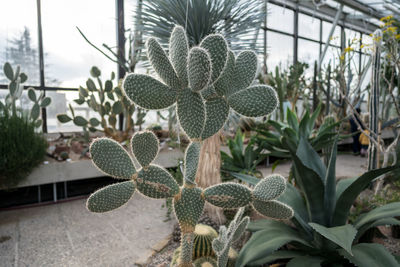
(203, 83)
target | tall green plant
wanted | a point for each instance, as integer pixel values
(199, 82)
(320, 233)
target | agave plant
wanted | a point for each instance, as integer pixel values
(295, 128)
(321, 233)
(244, 160)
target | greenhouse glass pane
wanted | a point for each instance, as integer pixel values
(19, 38)
(280, 50)
(326, 28)
(308, 51)
(331, 57)
(309, 27)
(68, 56)
(280, 18)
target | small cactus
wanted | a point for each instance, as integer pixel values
(203, 86)
(109, 102)
(15, 88)
(227, 236)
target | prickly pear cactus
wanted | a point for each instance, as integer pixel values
(203, 83)
(109, 102)
(15, 88)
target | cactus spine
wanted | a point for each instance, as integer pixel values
(201, 87)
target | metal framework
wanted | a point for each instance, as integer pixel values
(358, 15)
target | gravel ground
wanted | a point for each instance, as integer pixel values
(164, 257)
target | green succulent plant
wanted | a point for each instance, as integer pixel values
(203, 86)
(15, 87)
(320, 232)
(243, 160)
(109, 102)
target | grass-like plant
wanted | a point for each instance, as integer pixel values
(21, 148)
(203, 83)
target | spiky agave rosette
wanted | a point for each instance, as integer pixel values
(203, 82)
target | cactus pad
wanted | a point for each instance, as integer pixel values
(147, 92)
(217, 111)
(269, 188)
(144, 147)
(110, 197)
(216, 45)
(161, 64)
(228, 195)
(199, 69)
(192, 155)
(273, 209)
(245, 70)
(223, 85)
(178, 53)
(111, 158)
(156, 182)
(188, 207)
(256, 101)
(190, 103)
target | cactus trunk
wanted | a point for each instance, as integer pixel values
(187, 249)
(209, 173)
(374, 101)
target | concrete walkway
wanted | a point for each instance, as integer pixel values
(347, 166)
(68, 235)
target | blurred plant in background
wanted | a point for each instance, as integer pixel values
(21, 147)
(241, 160)
(109, 102)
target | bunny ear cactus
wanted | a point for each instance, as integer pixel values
(15, 87)
(203, 83)
(109, 102)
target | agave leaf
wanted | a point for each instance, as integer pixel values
(385, 211)
(370, 255)
(343, 236)
(305, 261)
(310, 158)
(277, 255)
(349, 195)
(330, 185)
(263, 243)
(380, 222)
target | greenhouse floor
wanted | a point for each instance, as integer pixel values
(66, 234)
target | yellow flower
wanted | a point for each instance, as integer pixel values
(386, 18)
(342, 57)
(348, 49)
(397, 36)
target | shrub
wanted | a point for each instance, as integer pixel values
(21, 149)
